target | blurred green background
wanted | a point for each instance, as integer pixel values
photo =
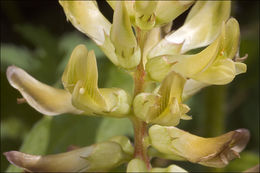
(36, 37)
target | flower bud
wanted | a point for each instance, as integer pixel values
(99, 157)
(123, 38)
(124, 143)
(144, 14)
(216, 152)
(136, 165)
(171, 168)
(164, 107)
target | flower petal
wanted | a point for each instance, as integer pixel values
(216, 152)
(129, 6)
(186, 65)
(165, 48)
(99, 157)
(220, 73)
(86, 89)
(167, 11)
(202, 25)
(144, 14)
(123, 38)
(223, 70)
(43, 98)
(152, 38)
(87, 18)
(81, 79)
(136, 165)
(164, 107)
(191, 87)
(157, 68)
(171, 168)
(231, 38)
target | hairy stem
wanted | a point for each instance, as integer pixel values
(140, 127)
(140, 130)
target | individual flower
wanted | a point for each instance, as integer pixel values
(164, 107)
(213, 152)
(213, 65)
(81, 94)
(96, 157)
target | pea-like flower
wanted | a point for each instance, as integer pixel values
(96, 157)
(213, 65)
(213, 152)
(164, 107)
(81, 94)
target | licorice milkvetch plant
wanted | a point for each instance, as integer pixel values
(166, 72)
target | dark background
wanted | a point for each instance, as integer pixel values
(36, 29)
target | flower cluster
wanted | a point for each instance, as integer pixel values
(166, 69)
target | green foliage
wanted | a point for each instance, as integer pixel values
(246, 161)
(19, 56)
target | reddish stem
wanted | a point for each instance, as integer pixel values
(140, 130)
(140, 127)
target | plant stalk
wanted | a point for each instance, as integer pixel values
(140, 127)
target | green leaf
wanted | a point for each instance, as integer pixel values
(19, 56)
(247, 160)
(116, 77)
(39, 37)
(13, 128)
(110, 127)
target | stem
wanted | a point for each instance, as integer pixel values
(140, 130)
(140, 127)
(215, 97)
